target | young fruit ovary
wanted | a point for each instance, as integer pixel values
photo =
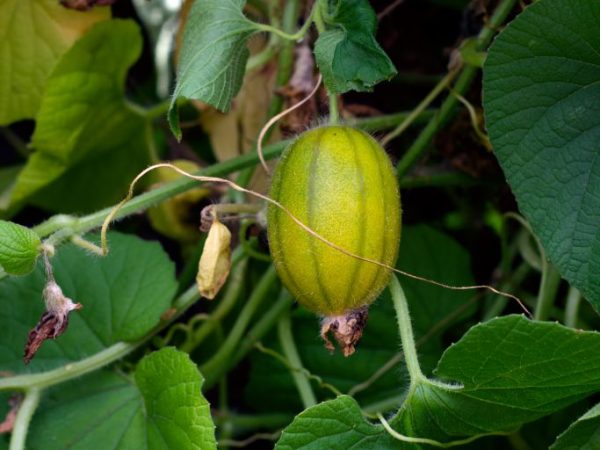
(339, 182)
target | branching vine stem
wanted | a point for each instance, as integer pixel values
(114, 212)
(66, 226)
(286, 339)
(406, 333)
(321, 10)
(290, 37)
(61, 227)
(419, 440)
(417, 378)
(26, 411)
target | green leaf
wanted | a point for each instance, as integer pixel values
(347, 53)
(542, 107)
(123, 297)
(34, 36)
(19, 248)
(505, 373)
(334, 425)
(583, 434)
(163, 410)
(102, 411)
(500, 375)
(178, 415)
(423, 251)
(89, 143)
(213, 56)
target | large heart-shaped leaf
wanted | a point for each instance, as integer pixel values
(123, 297)
(501, 374)
(89, 142)
(506, 372)
(33, 36)
(542, 107)
(163, 408)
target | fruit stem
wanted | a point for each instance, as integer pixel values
(223, 209)
(321, 9)
(26, 411)
(334, 114)
(406, 333)
(286, 339)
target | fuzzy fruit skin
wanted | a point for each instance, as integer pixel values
(339, 181)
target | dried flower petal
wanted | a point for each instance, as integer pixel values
(215, 261)
(53, 322)
(346, 330)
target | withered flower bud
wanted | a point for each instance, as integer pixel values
(53, 322)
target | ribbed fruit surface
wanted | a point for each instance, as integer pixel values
(338, 181)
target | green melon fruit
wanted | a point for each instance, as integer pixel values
(339, 181)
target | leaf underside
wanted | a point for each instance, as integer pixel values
(542, 109)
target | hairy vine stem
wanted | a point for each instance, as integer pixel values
(286, 339)
(26, 411)
(406, 333)
(285, 35)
